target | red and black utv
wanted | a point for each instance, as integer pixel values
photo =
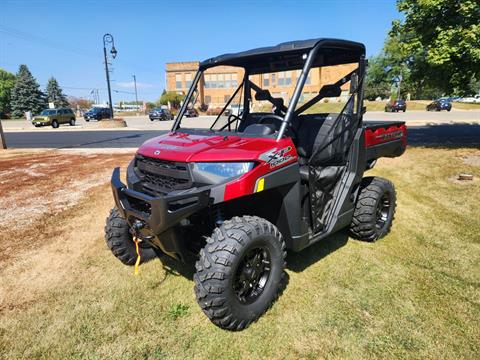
(238, 194)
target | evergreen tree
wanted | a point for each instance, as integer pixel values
(55, 94)
(26, 94)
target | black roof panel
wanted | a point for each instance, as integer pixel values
(288, 55)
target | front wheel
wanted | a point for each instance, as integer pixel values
(241, 272)
(374, 209)
(54, 124)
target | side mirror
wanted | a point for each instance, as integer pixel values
(331, 90)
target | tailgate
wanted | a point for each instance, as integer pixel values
(385, 138)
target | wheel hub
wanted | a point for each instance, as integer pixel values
(383, 209)
(252, 275)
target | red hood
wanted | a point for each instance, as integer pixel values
(183, 147)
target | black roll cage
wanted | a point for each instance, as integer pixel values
(314, 57)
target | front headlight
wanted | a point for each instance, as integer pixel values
(211, 173)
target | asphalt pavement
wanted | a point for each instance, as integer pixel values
(456, 128)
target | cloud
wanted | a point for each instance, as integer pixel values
(131, 85)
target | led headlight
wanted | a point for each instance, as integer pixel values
(211, 173)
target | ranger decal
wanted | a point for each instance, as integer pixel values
(277, 157)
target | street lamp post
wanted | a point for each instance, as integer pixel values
(108, 39)
(135, 84)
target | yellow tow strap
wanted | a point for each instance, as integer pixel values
(137, 248)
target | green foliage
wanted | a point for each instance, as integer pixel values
(7, 81)
(150, 106)
(55, 94)
(439, 42)
(178, 310)
(378, 83)
(171, 97)
(26, 94)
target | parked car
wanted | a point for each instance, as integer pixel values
(397, 105)
(97, 113)
(471, 99)
(439, 105)
(160, 114)
(54, 118)
(191, 112)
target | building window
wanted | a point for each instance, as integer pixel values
(228, 81)
(285, 78)
(188, 80)
(208, 99)
(266, 80)
(220, 81)
(309, 78)
(178, 81)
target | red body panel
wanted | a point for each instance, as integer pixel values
(269, 155)
(385, 134)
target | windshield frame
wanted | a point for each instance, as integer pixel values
(310, 58)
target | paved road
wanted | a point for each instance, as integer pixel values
(143, 123)
(434, 135)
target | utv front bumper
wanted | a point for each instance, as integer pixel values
(159, 215)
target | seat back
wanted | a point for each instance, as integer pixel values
(309, 129)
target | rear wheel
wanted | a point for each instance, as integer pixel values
(374, 209)
(54, 124)
(72, 122)
(120, 241)
(240, 272)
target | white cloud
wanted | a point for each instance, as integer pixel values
(131, 85)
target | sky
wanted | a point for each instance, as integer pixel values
(64, 38)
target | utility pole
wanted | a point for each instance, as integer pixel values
(2, 135)
(135, 84)
(108, 39)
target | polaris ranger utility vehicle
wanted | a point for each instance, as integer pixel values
(237, 195)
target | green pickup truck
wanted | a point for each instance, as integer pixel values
(54, 117)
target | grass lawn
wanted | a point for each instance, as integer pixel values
(413, 294)
(466, 106)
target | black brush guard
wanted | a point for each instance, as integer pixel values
(158, 215)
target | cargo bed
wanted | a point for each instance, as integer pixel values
(385, 138)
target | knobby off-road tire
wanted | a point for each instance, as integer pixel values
(374, 210)
(227, 267)
(119, 240)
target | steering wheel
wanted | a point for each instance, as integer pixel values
(276, 119)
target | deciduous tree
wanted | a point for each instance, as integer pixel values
(7, 81)
(439, 41)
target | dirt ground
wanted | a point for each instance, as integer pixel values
(40, 190)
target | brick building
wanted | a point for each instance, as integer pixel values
(218, 84)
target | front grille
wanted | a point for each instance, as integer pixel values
(161, 176)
